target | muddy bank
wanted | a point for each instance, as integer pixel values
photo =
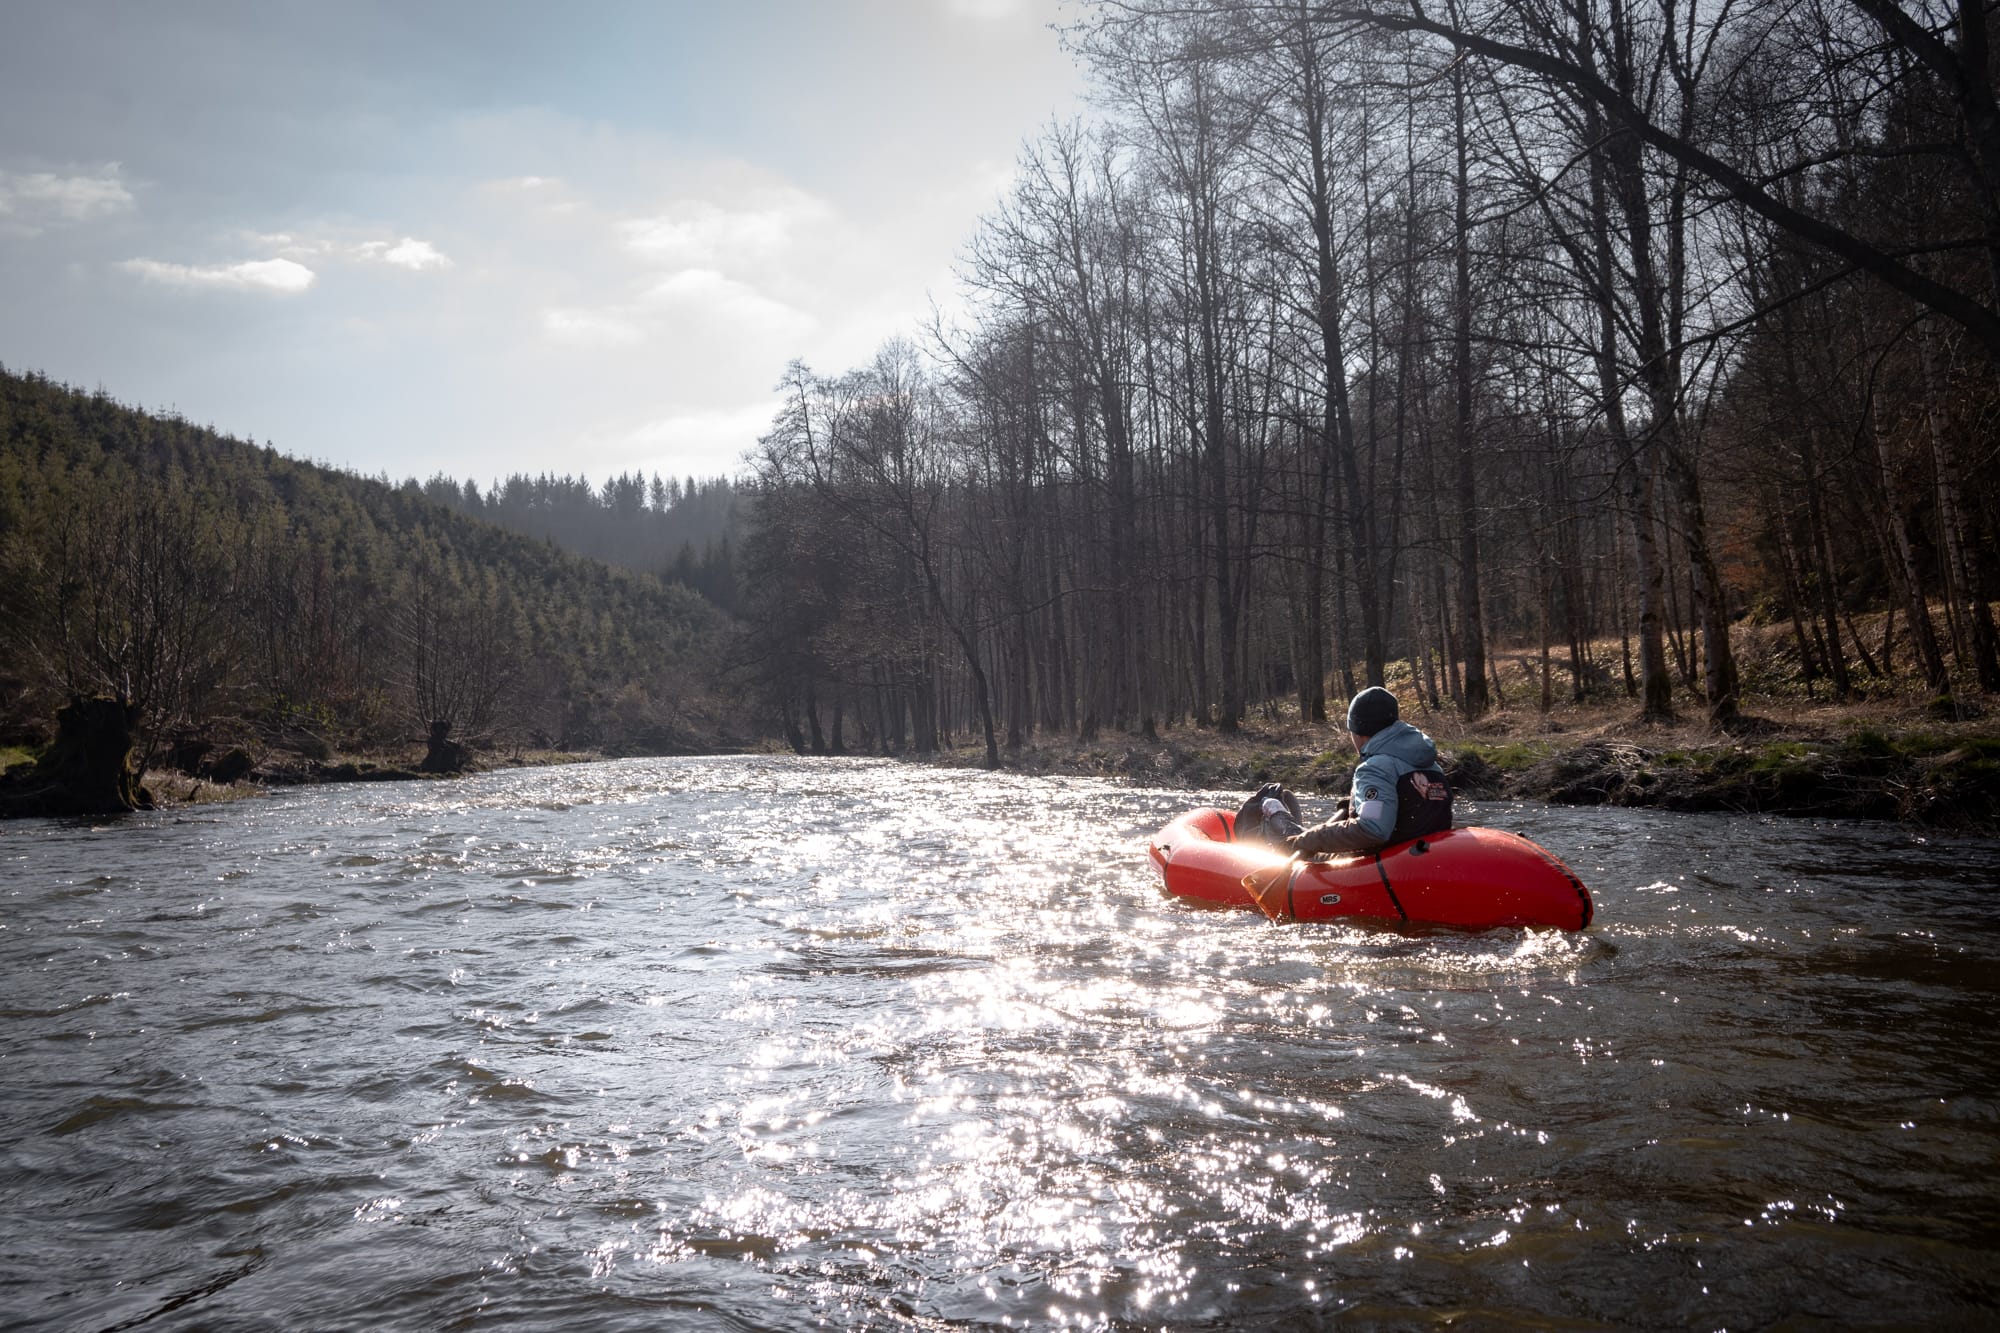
(1936, 782)
(292, 770)
(1936, 779)
(168, 787)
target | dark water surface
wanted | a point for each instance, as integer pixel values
(782, 1044)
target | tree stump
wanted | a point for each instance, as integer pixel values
(87, 769)
(445, 755)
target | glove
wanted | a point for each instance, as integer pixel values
(1279, 823)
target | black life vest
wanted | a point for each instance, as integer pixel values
(1423, 804)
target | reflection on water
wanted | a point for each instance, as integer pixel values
(792, 1044)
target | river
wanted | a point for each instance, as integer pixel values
(793, 1044)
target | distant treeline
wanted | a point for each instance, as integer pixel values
(1364, 338)
(680, 530)
(226, 592)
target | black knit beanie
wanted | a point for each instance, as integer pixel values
(1372, 711)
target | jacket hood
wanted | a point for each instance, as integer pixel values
(1401, 741)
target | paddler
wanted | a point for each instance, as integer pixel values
(1398, 793)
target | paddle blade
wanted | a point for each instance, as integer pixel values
(1267, 889)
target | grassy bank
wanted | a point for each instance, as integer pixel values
(1855, 761)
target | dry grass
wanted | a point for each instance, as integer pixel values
(1775, 702)
(171, 789)
(1782, 720)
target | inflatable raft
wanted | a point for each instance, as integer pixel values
(1467, 878)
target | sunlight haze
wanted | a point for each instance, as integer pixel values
(479, 238)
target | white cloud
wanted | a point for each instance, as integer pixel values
(416, 255)
(704, 293)
(282, 241)
(694, 304)
(409, 253)
(592, 328)
(33, 199)
(270, 275)
(697, 233)
(702, 441)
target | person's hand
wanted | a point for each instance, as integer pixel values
(1291, 844)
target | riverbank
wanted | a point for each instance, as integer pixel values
(1870, 760)
(170, 788)
(1873, 760)
(280, 769)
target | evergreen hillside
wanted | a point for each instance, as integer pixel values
(231, 596)
(683, 532)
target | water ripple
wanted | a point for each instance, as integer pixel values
(771, 1044)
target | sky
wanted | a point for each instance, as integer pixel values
(478, 238)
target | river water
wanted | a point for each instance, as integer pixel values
(790, 1044)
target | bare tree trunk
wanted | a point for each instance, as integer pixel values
(1979, 641)
(1472, 626)
(1635, 465)
(1896, 538)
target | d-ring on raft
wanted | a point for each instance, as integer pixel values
(1466, 878)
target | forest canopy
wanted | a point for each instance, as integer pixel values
(1357, 335)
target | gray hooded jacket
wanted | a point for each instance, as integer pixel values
(1397, 749)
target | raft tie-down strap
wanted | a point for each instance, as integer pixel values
(1389, 888)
